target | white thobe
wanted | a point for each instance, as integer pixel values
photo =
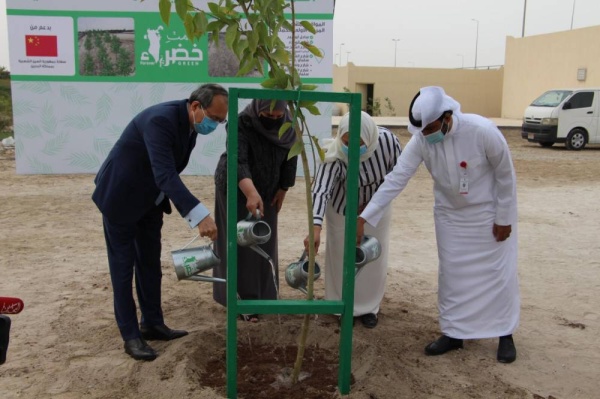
(478, 292)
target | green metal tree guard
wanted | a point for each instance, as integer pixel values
(344, 307)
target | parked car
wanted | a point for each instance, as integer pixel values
(569, 116)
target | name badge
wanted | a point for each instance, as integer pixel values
(464, 185)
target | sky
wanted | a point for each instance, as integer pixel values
(432, 33)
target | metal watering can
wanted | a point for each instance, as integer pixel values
(251, 233)
(296, 274)
(190, 262)
(368, 251)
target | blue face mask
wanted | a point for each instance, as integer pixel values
(361, 151)
(436, 137)
(207, 126)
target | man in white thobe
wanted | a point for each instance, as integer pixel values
(475, 212)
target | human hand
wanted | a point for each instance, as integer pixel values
(208, 228)
(278, 200)
(254, 204)
(317, 237)
(360, 230)
(501, 233)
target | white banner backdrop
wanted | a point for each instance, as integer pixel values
(82, 70)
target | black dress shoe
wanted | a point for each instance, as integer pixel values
(161, 333)
(442, 345)
(4, 337)
(507, 352)
(138, 349)
(369, 320)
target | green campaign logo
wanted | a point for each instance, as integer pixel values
(165, 53)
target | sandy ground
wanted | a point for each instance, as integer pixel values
(65, 344)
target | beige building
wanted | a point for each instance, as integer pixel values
(533, 65)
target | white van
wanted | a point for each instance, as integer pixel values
(570, 116)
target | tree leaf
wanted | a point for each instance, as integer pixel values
(309, 27)
(200, 22)
(284, 128)
(296, 149)
(314, 50)
(190, 29)
(231, 35)
(181, 6)
(313, 110)
(309, 87)
(315, 141)
(252, 40)
(165, 10)
(269, 83)
(281, 56)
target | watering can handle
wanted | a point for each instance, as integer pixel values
(303, 255)
(250, 215)
(193, 239)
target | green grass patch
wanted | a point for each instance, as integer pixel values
(6, 117)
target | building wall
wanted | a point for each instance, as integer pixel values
(539, 63)
(478, 91)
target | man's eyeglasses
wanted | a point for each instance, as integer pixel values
(213, 118)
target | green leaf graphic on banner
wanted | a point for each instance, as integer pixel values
(156, 93)
(19, 148)
(115, 130)
(84, 160)
(196, 168)
(49, 122)
(39, 167)
(21, 107)
(103, 108)
(28, 130)
(56, 145)
(73, 95)
(186, 88)
(36, 87)
(102, 146)
(124, 87)
(137, 104)
(78, 122)
(212, 148)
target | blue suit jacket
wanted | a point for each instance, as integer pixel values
(146, 160)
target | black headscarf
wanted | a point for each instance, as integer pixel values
(253, 110)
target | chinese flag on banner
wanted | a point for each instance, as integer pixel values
(41, 46)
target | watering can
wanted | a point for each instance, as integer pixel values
(368, 251)
(296, 274)
(190, 262)
(252, 232)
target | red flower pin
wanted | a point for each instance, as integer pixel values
(463, 164)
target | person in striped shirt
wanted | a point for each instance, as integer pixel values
(379, 150)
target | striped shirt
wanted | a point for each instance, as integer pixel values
(330, 179)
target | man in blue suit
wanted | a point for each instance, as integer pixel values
(133, 189)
